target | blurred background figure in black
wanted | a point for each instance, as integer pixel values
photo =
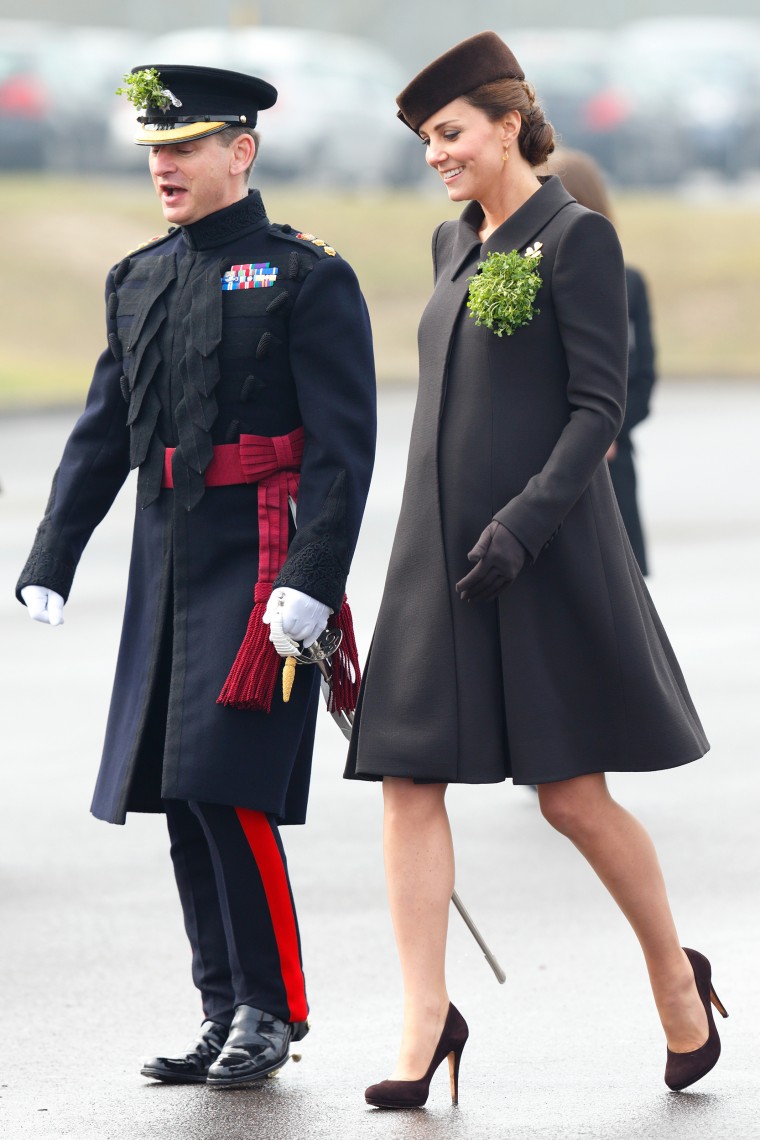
(584, 180)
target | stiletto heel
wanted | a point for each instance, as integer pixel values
(683, 1069)
(718, 1003)
(454, 1059)
(413, 1094)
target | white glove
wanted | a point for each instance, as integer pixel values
(303, 619)
(43, 604)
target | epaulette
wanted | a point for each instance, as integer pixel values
(152, 241)
(314, 244)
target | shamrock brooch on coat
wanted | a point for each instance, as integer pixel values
(502, 292)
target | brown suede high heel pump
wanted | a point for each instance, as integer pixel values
(683, 1069)
(413, 1094)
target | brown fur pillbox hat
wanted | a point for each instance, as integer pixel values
(470, 64)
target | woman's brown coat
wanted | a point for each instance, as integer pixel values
(570, 671)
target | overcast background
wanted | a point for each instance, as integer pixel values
(414, 32)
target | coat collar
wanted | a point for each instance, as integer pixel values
(517, 231)
(228, 224)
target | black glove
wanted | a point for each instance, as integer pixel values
(500, 557)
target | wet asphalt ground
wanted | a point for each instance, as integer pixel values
(94, 966)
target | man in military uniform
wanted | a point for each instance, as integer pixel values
(239, 382)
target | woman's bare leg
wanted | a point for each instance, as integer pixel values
(419, 868)
(623, 856)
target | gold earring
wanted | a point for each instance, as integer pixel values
(505, 156)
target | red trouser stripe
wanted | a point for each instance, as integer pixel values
(275, 881)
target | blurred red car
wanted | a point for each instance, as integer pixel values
(700, 77)
(574, 72)
(23, 103)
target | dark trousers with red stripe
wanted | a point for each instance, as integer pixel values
(233, 884)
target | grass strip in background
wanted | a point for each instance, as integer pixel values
(62, 235)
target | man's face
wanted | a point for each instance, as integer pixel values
(193, 179)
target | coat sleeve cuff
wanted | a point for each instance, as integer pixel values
(44, 569)
(314, 570)
(528, 531)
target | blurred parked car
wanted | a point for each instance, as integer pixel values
(81, 67)
(574, 73)
(24, 100)
(334, 121)
(703, 76)
(57, 87)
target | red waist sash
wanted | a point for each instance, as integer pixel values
(254, 458)
(274, 463)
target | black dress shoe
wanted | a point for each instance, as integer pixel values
(192, 1067)
(258, 1044)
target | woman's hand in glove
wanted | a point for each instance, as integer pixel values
(499, 558)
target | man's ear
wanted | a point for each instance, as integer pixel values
(243, 153)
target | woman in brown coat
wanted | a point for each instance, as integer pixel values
(538, 655)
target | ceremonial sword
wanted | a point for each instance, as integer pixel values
(319, 653)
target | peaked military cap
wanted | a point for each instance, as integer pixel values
(199, 101)
(469, 64)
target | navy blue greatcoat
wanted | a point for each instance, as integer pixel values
(191, 366)
(569, 671)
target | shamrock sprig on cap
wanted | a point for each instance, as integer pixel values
(144, 88)
(502, 292)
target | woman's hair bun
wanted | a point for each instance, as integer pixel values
(537, 139)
